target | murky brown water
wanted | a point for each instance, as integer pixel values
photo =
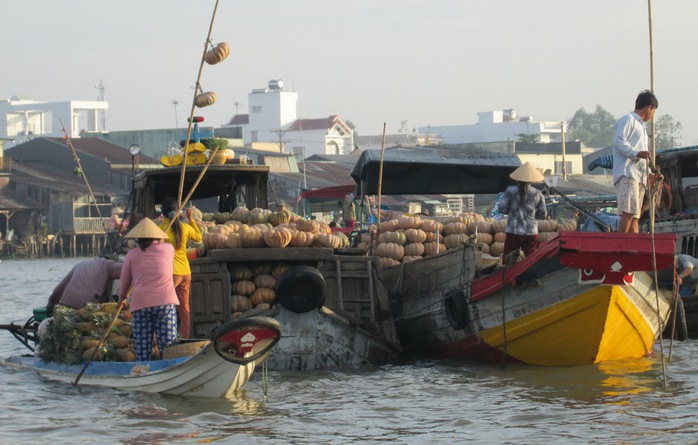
(423, 403)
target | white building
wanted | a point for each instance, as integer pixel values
(22, 118)
(495, 126)
(272, 123)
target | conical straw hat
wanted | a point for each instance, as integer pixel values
(526, 173)
(146, 229)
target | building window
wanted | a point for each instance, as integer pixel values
(253, 136)
(257, 109)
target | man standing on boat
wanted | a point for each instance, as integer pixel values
(630, 169)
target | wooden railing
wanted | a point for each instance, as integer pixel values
(5, 164)
(90, 225)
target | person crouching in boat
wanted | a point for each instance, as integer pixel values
(524, 205)
(147, 273)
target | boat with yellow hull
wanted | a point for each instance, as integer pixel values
(581, 298)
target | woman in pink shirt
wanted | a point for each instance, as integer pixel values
(147, 274)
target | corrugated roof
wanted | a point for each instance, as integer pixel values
(324, 123)
(98, 148)
(12, 201)
(42, 174)
(239, 119)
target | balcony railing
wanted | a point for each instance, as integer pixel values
(90, 225)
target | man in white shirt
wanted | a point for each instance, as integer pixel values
(630, 170)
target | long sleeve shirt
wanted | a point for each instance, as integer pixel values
(85, 283)
(189, 232)
(522, 216)
(630, 138)
(149, 271)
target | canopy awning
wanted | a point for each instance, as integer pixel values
(433, 171)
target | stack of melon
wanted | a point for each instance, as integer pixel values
(258, 228)
(254, 285)
(409, 237)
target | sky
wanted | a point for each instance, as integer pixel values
(372, 62)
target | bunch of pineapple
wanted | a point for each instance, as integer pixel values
(73, 334)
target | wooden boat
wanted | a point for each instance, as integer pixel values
(219, 368)
(580, 298)
(336, 313)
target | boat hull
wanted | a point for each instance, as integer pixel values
(322, 339)
(203, 375)
(217, 368)
(539, 311)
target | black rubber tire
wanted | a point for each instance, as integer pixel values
(456, 310)
(301, 289)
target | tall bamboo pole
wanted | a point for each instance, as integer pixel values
(380, 180)
(197, 89)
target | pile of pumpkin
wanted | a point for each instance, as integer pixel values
(254, 285)
(409, 238)
(71, 335)
(243, 228)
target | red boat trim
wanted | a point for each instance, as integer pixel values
(612, 255)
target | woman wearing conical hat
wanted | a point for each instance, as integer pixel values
(524, 205)
(147, 272)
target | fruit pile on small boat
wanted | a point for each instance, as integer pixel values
(71, 335)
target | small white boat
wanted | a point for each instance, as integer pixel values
(218, 369)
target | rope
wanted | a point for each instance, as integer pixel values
(504, 319)
(265, 378)
(652, 198)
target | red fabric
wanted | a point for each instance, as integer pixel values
(527, 243)
(182, 284)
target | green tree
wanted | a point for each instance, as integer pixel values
(525, 138)
(592, 129)
(668, 132)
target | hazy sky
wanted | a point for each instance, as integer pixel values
(427, 62)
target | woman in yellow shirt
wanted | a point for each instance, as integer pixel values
(178, 235)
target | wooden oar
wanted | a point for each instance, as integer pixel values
(101, 341)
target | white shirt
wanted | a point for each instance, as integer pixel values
(630, 138)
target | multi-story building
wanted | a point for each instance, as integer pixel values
(495, 126)
(22, 119)
(272, 123)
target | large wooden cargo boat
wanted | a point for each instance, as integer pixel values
(336, 313)
(580, 298)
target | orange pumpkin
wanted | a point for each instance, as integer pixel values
(265, 280)
(217, 53)
(240, 272)
(431, 248)
(415, 235)
(240, 214)
(302, 239)
(429, 225)
(233, 241)
(206, 99)
(279, 269)
(240, 303)
(243, 287)
(305, 225)
(261, 268)
(414, 249)
(409, 222)
(262, 295)
(328, 240)
(252, 238)
(277, 237)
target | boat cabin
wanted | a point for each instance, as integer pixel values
(680, 200)
(221, 189)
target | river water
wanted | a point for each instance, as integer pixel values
(421, 403)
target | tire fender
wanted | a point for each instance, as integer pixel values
(301, 289)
